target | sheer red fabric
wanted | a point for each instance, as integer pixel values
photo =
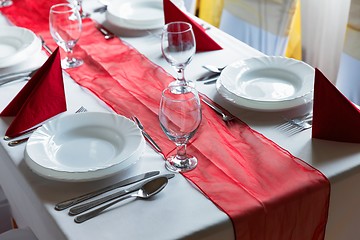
(267, 192)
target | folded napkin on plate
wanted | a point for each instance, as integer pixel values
(40, 99)
(334, 116)
(203, 41)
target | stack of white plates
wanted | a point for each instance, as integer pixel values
(84, 146)
(136, 14)
(267, 83)
(17, 45)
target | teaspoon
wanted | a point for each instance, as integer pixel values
(148, 190)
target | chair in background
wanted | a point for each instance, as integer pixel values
(264, 24)
(18, 234)
(348, 79)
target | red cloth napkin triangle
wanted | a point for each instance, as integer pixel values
(40, 99)
(335, 118)
(203, 41)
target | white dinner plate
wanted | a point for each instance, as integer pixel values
(84, 146)
(136, 14)
(17, 45)
(267, 83)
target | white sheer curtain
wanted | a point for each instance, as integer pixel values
(348, 79)
(323, 33)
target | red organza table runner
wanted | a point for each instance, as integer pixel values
(267, 192)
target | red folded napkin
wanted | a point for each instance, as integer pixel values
(334, 116)
(40, 99)
(203, 41)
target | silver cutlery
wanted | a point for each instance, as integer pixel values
(106, 32)
(295, 125)
(23, 75)
(208, 77)
(46, 47)
(101, 9)
(23, 140)
(71, 202)
(89, 205)
(146, 190)
(211, 81)
(147, 137)
(226, 117)
(214, 69)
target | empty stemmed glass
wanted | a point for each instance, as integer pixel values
(178, 48)
(180, 117)
(65, 28)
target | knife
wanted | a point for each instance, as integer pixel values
(68, 203)
(106, 32)
(18, 76)
(208, 77)
(86, 206)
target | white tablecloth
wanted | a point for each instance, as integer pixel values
(180, 211)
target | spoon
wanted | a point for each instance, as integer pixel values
(213, 68)
(148, 190)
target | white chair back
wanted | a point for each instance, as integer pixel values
(262, 24)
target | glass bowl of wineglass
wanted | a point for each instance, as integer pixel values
(65, 28)
(178, 47)
(180, 118)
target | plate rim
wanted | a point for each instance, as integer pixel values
(265, 105)
(95, 174)
(123, 23)
(25, 53)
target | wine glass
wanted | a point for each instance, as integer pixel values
(178, 48)
(180, 117)
(65, 28)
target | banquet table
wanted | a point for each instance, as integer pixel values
(180, 211)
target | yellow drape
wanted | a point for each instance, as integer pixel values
(210, 11)
(293, 48)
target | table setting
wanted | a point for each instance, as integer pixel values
(115, 106)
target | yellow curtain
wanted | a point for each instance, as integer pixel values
(210, 11)
(294, 49)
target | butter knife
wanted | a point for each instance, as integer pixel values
(86, 206)
(68, 203)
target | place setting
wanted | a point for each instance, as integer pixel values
(20, 54)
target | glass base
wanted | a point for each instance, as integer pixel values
(71, 63)
(173, 164)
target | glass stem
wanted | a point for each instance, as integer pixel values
(181, 151)
(69, 54)
(181, 74)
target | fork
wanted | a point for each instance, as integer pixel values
(225, 117)
(295, 122)
(22, 140)
(299, 127)
(296, 125)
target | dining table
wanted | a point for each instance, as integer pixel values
(181, 210)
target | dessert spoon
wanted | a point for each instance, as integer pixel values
(148, 190)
